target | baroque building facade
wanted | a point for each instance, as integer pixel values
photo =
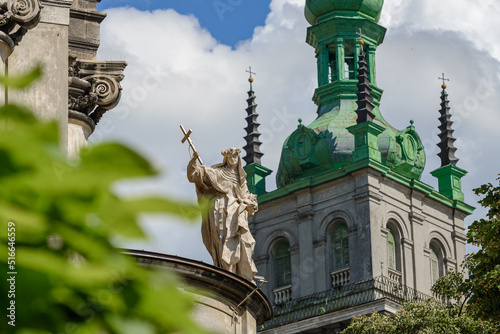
(351, 229)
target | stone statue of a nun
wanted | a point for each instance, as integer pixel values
(225, 226)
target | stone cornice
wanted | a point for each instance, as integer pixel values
(58, 3)
(91, 16)
(79, 43)
(427, 190)
(224, 284)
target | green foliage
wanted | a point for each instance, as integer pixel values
(451, 288)
(484, 265)
(429, 317)
(70, 279)
(23, 81)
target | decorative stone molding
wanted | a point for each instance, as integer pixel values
(94, 87)
(416, 217)
(262, 260)
(366, 196)
(16, 18)
(305, 215)
(319, 242)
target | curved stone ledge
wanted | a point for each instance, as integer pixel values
(226, 287)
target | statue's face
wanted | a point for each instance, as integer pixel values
(232, 160)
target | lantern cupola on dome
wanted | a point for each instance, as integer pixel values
(320, 10)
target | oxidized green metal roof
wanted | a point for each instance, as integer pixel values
(326, 145)
(318, 10)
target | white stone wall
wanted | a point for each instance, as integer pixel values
(370, 204)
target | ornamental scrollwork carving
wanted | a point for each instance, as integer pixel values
(18, 16)
(94, 87)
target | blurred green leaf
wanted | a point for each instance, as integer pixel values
(23, 80)
(70, 277)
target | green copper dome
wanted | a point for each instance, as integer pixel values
(315, 9)
(326, 145)
(329, 143)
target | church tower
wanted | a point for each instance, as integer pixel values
(351, 228)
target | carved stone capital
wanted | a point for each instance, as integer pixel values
(94, 87)
(16, 18)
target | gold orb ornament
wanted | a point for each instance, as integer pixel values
(361, 42)
(443, 86)
(250, 80)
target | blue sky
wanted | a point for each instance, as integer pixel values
(229, 21)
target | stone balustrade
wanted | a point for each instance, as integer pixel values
(282, 294)
(340, 277)
(395, 275)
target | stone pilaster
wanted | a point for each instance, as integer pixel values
(47, 45)
(94, 88)
(307, 260)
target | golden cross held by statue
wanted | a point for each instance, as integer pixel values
(190, 142)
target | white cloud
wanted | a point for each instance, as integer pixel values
(178, 73)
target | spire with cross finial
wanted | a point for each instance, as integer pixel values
(365, 131)
(256, 173)
(252, 148)
(365, 105)
(448, 175)
(447, 153)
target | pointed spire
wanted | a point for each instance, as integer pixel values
(252, 148)
(447, 153)
(365, 105)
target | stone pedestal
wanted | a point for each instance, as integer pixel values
(216, 309)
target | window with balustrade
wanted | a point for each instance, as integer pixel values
(340, 255)
(391, 251)
(340, 245)
(282, 264)
(436, 262)
(394, 253)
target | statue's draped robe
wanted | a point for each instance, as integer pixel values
(225, 226)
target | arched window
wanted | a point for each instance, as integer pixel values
(391, 251)
(283, 264)
(340, 245)
(435, 265)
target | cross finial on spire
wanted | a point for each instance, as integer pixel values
(444, 79)
(250, 72)
(361, 42)
(360, 34)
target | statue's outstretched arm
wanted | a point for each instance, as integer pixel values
(195, 173)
